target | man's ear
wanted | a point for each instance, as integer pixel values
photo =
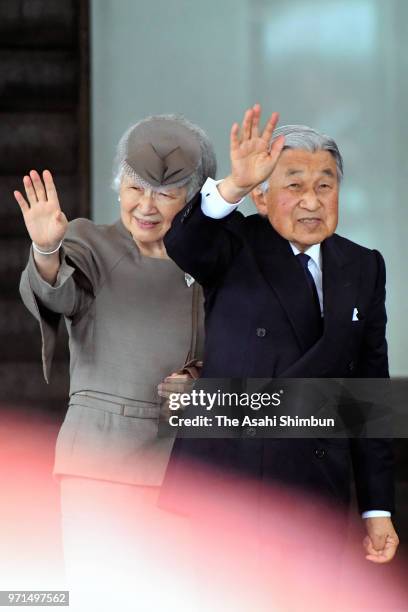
(258, 198)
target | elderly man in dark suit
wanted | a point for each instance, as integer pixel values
(287, 297)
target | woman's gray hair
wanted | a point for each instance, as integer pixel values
(206, 168)
(308, 139)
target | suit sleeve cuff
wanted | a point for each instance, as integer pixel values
(212, 203)
(41, 286)
(375, 513)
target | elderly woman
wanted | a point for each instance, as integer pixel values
(133, 317)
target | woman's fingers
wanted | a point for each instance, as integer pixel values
(38, 186)
(50, 186)
(61, 219)
(21, 201)
(37, 190)
(177, 378)
(30, 191)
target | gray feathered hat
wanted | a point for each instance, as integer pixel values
(166, 151)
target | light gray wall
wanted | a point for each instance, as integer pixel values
(338, 66)
(164, 57)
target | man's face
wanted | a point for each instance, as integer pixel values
(148, 214)
(302, 200)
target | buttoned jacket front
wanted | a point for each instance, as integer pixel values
(258, 324)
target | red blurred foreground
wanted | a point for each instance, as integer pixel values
(240, 547)
(31, 548)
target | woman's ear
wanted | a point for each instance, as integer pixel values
(258, 198)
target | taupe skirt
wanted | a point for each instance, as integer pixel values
(112, 438)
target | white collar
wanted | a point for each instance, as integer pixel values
(313, 252)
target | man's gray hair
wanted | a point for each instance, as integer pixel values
(308, 139)
(206, 168)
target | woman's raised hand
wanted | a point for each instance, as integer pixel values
(44, 219)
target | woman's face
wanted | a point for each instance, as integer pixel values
(148, 214)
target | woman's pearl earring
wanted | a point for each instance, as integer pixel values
(118, 198)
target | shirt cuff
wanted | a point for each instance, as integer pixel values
(375, 513)
(212, 203)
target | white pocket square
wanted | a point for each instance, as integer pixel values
(355, 315)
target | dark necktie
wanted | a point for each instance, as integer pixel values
(304, 261)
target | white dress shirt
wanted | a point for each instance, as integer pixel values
(213, 205)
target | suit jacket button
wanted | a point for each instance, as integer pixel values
(319, 452)
(351, 366)
(261, 332)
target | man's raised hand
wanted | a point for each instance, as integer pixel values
(253, 158)
(45, 222)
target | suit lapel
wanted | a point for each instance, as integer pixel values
(286, 278)
(340, 285)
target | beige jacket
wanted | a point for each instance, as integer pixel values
(129, 320)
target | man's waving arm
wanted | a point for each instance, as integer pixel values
(199, 241)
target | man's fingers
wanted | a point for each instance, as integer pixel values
(38, 186)
(276, 148)
(256, 118)
(371, 550)
(247, 125)
(368, 545)
(390, 548)
(377, 558)
(30, 191)
(50, 186)
(21, 201)
(382, 554)
(234, 137)
(270, 126)
(378, 541)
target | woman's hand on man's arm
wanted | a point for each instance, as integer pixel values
(170, 388)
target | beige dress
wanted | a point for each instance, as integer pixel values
(129, 320)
